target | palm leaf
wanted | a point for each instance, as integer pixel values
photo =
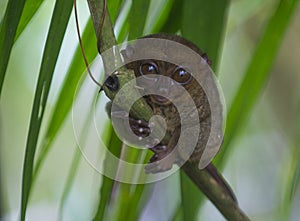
(65, 99)
(8, 28)
(209, 19)
(137, 18)
(121, 207)
(30, 8)
(256, 76)
(56, 33)
(209, 37)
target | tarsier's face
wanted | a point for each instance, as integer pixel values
(166, 77)
(163, 77)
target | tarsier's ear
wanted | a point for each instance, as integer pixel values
(206, 58)
(124, 56)
(127, 55)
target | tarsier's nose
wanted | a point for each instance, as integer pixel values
(163, 90)
(112, 83)
(165, 85)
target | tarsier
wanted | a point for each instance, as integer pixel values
(165, 108)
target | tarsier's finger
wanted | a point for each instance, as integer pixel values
(158, 166)
(158, 163)
(159, 148)
(141, 123)
(140, 131)
(120, 114)
(139, 127)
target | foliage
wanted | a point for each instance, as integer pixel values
(203, 22)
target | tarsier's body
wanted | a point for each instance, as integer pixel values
(165, 74)
(165, 108)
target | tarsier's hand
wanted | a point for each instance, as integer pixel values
(142, 129)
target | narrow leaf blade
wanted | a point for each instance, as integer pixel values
(137, 18)
(30, 8)
(114, 8)
(165, 15)
(8, 28)
(256, 76)
(203, 23)
(56, 33)
(64, 102)
(173, 22)
(115, 146)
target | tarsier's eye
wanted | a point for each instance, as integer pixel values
(182, 76)
(148, 68)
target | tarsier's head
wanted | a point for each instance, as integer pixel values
(163, 76)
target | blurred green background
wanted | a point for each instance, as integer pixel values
(263, 164)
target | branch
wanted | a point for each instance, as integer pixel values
(141, 110)
(216, 194)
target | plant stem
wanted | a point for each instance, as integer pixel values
(104, 32)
